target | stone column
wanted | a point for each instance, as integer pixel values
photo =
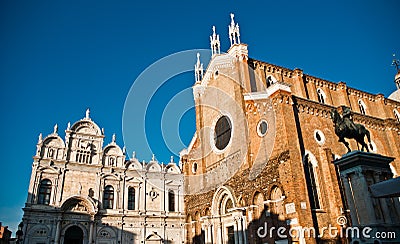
(243, 222)
(206, 233)
(210, 233)
(350, 200)
(58, 229)
(32, 184)
(219, 233)
(91, 232)
(383, 203)
(365, 196)
(240, 230)
(137, 197)
(235, 231)
(396, 203)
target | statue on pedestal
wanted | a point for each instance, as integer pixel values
(346, 128)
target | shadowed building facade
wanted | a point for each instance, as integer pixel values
(83, 192)
(264, 147)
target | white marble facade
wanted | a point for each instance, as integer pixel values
(83, 192)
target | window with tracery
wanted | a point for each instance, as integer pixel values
(171, 201)
(277, 203)
(44, 192)
(225, 204)
(131, 198)
(321, 95)
(108, 197)
(313, 180)
(259, 202)
(223, 130)
(362, 107)
(84, 153)
(270, 80)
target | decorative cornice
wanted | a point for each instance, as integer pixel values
(282, 98)
(286, 72)
(317, 109)
(312, 107)
(256, 64)
(361, 94)
(258, 107)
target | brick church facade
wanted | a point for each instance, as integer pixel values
(263, 149)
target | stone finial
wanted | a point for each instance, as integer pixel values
(40, 139)
(215, 44)
(172, 159)
(113, 138)
(133, 155)
(198, 69)
(396, 62)
(55, 130)
(234, 34)
(124, 150)
(87, 116)
(153, 158)
(69, 126)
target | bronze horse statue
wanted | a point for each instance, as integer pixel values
(346, 128)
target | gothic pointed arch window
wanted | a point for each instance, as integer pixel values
(258, 201)
(225, 204)
(171, 201)
(44, 192)
(397, 115)
(131, 198)
(108, 197)
(277, 198)
(362, 107)
(321, 95)
(228, 205)
(270, 80)
(312, 175)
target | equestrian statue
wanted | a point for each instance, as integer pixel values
(346, 128)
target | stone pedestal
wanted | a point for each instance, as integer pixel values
(357, 171)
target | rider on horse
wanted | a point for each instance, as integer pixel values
(346, 128)
(348, 119)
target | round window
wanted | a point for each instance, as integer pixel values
(262, 128)
(319, 137)
(222, 132)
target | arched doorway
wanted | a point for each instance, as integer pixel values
(73, 235)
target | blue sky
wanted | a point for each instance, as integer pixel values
(58, 58)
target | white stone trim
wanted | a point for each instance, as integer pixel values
(268, 92)
(322, 136)
(259, 127)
